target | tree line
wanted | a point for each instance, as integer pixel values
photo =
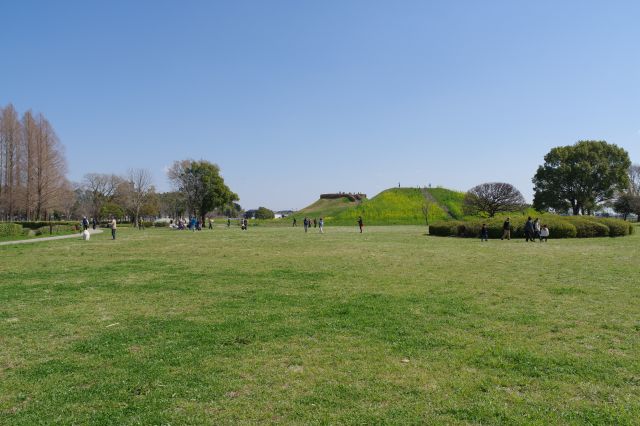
(33, 183)
(578, 179)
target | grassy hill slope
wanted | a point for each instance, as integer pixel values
(395, 206)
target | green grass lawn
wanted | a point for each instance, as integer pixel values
(276, 326)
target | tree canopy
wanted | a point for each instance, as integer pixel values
(202, 186)
(580, 176)
(491, 198)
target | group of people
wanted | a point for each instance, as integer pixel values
(317, 223)
(193, 224)
(532, 231)
(86, 222)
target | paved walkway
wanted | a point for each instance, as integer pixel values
(60, 237)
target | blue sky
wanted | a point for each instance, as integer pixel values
(296, 98)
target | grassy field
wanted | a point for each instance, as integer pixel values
(276, 326)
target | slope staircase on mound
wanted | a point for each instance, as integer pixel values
(430, 198)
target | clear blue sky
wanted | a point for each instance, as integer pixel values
(295, 98)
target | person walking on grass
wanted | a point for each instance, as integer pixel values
(544, 233)
(528, 230)
(295, 222)
(85, 223)
(536, 229)
(484, 233)
(113, 226)
(228, 222)
(315, 222)
(321, 225)
(210, 223)
(506, 229)
(94, 223)
(360, 223)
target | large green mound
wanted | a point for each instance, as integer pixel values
(395, 206)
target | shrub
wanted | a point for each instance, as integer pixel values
(588, 227)
(617, 227)
(161, 224)
(444, 228)
(559, 228)
(10, 229)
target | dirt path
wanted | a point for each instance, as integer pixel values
(60, 237)
(427, 195)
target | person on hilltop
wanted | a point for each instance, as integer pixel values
(506, 229)
(484, 233)
(113, 226)
(321, 225)
(544, 233)
(85, 223)
(528, 230)
(360, 223)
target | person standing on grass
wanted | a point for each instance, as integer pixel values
(295, 222)
(210, 223)
(536, 228)
(113, 228)
(305, 223)
(94, 223)
(544, 233)
(140, 224)
(315, 222)
(528, 230)
(85, 223)
(506, 229)
(484, 233)
(228, 222)
(360, 223)
(321, 225)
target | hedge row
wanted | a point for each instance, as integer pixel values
(43, 223)
(559, 227)
(8, 229)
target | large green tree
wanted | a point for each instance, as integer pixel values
(580, 176)
(202, 186)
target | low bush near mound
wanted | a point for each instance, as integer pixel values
(559, 227)
(617, 227)
(588, 227)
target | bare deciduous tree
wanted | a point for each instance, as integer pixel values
(10, 161)
(139, 187)
(492, 198)
(100, 188)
